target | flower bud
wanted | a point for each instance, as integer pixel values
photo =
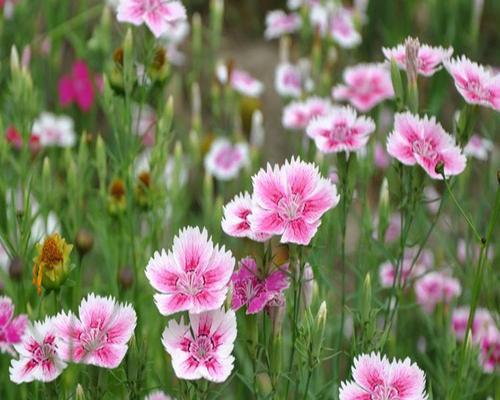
(383, 209)
(16, 269)
(84, 241)
(101, 164)
(412, 47)
(397, 83)
(257, 132)
(366, 298)
(319, 329)
(80, 393)
(117, 200)
(14, 60)
(439, 169)
(276, 309)
(307, 285)
(126, 277)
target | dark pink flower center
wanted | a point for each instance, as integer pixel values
(201, 348)
(382, 392)
(340, 132)
(291, 207)
(191, 283)
(227, 157)
(477, 89)
(42, 353)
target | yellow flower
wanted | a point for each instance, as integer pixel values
(50, 267)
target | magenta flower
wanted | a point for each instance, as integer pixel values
(478, 147)
(476, 84)
(482, 321)
(340, 130)
(342, 28)
(366, 85)
(224, 160)
(203, 348)
(77, 87)
(434, 288)
(39, 354)
(236, 222)
(489, 350)
(11, 329)
(255, 291)
(193, 276)
(156, 14)
(100, 335)
(290, 200)
(423, 141)
(279, 23)
(288, 80)
(377, 378)
(298, 114)
(429, 59)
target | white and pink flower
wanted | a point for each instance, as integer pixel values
(156, 14)
(482, 321)
(290, 200)
(423, 141)
(298, 114)
(340, 130)
(11, 328)
(100, 334)
(255, 291)
(203, 348)
(224, 160)
(343, 29)
(375, 377)
(54, 130)
(478, 147)
(365, 86)
(240, 80)
(475, 83)
(408, 270)
(288, 80)
(429, 59)
(193, 276)
(39, 354)
(435, 288)
(279, 23)
(489, 350)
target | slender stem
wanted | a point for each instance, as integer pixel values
(308, 381)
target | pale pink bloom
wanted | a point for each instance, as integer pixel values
(407, 270)
(11, 329)
(375, 377)
(482, 321)
(333, 175)
(203, 348)
(39, 354)
(288, 80)
(307, 285)
(157, 395)
(423, 141)
(489, 350)
(393, 229)
(236, 222)
(156, 14)
(240, 80)
(290, 200)
(470, 252)
(144, 122)
(429, 59)
(193, 276)
(381, 158)
(8, 8)
(478, 147)
(366, 85)
(432, 199)
(224, 160)
(176, 32)
(340, 130)
(77, 87)
(342, 28)
(99, 335)
(298, 114)
(53, 130)
(434, 288)
(279, 23)
(319, 15)
(255, 291)
(475, 83)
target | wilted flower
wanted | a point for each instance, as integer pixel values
(117, 199)
(342, 28)
(39, 354)
(434, 288)
(428, 60)
(279, 23)
(340, 130)
(53, 130)
(11, 329)
(51, 265)
(225, 160)
(77, 87)
(482, 321)
(255, 291)
(366, 85)
(423, 141)
(475, 83)
(288, 80)
(298, 114)
(478, 147)
(203, 348)
(156, 14)
(193, 276)
(377, 378)
(290, 200)
(240, 80)
(236, 222)
(489, 350)
(99, 336)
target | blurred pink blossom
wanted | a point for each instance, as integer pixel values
(203, 348)
(423, 141)
(478, 147)
(77, 87)
(54, 130)
(342, 28)
(288, 80)
(489, 350)
(11, 328)
(298, 114)
(434, 288)
(193, 276)
(482, 320)
(224, 160)
(279, 23)
(408, 269)
(240, 80)
(381, 158)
